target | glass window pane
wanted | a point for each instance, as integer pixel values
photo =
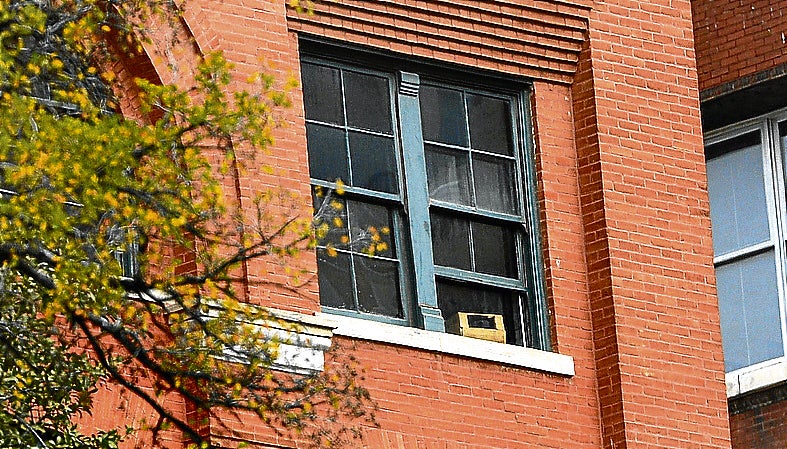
(371, 226)
(378, 286)
(736, 186)
(494, 182)
(327, 153)
(368, 102)
(494, 249)
(322, 95)
(490, 124)
(447, 175)
(335, 280)
(783, 141)
(450, 241)
(749, 308)
(443, 115)
(453, 297)
(373, 160)
(330, 218)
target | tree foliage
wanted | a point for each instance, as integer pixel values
(82, 187)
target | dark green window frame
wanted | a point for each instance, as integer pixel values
(469, 207)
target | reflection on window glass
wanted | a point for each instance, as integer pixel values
(378, 286)
(373, 162)
(327, 153)
(749, 309)
(443, 116)
(494, 250)
(322, 95)
(336, 288)
(474, 246)
(362, 153)
(736, 187)
(330, 217)
(467, 174)
(448, 173)
(357, 262)
(494, 184)
(490, 124)
(368, 102)
(451, 241)
(370, 229)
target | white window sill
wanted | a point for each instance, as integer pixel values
(299, 341)
(762, 376)
(448, 344)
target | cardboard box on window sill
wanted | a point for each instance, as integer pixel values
(484, 326)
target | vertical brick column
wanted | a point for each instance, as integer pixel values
(648, 246)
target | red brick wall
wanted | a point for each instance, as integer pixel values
(642, 178)
(466, 403)
(115, 407)
(624, 219)
(656, 367)
(253, 36)
(737, 38)
(430, 400)
(739, 43)
(758, 420)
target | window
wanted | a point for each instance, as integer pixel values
(746, 179)
(425, 198)
(126, 240)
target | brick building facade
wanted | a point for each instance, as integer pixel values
(741, 64)
(539, 161)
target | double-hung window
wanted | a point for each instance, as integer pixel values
(746, 184)
(424, 196)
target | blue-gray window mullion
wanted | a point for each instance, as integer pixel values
(356, 301)
(417, 203)
(346, 141)
(471, 179)
(459, 274)
(402, 258)
(536, 302)
(471, 168)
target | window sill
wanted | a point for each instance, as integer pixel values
(517, 356)
(741, 382)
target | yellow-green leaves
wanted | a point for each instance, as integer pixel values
(122, 246)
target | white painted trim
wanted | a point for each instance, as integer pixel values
(301, 349)
(299, 359)
(298, 341)
(535, 359)
(763, 376)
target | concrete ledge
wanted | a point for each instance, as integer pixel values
(757, 400)
(761, 376)
(518, 356)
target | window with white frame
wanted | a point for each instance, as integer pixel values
(746, 180)
(425, 189)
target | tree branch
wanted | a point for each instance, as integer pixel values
(121, 379)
